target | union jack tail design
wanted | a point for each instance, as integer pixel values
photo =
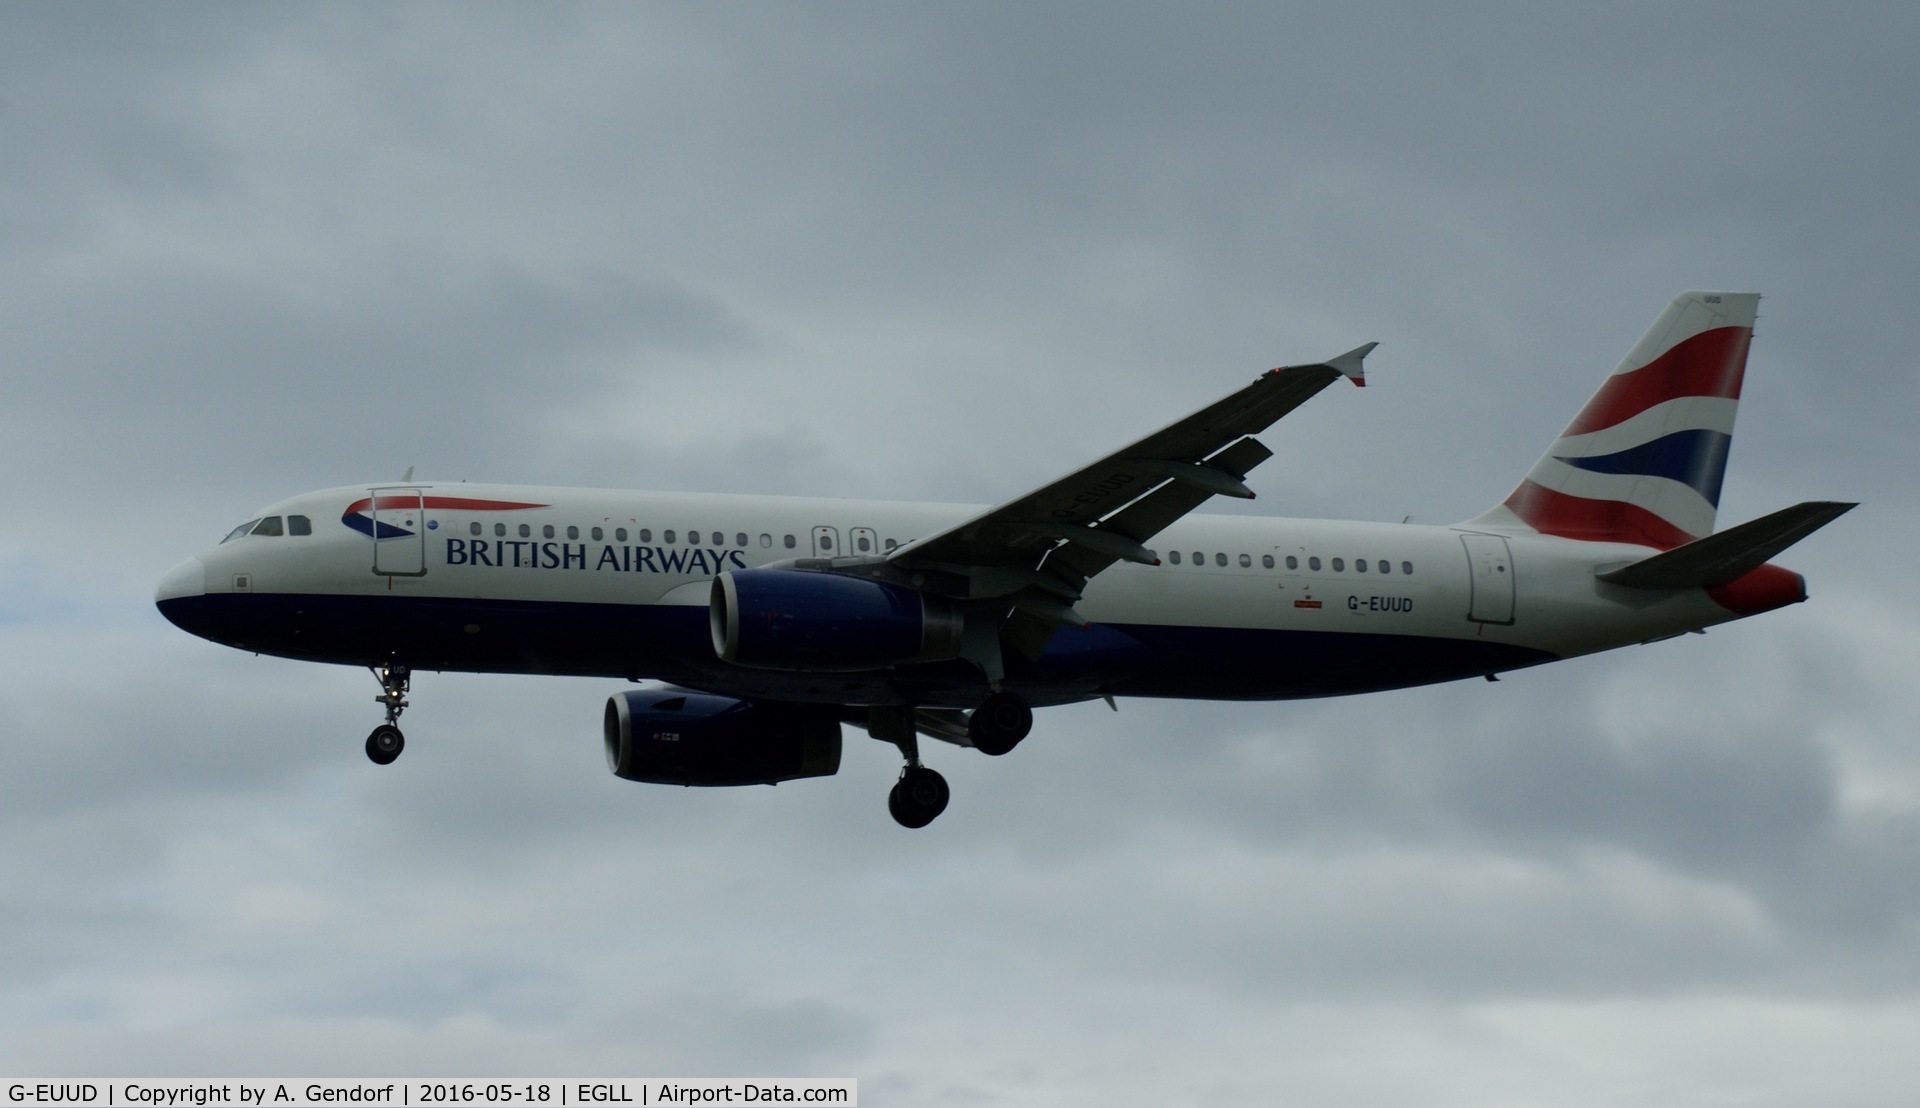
(1642, 462)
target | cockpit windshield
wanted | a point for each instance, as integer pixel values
(272, 526)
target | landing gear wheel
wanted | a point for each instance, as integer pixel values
(385, 744)
(918, 797)
(999, 723)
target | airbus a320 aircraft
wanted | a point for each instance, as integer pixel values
(758, 626)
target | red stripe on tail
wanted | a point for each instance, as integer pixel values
(1576, 517)
(1711, 363)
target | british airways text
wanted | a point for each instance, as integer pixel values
(528, 554)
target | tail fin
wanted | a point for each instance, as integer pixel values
(1642, 462)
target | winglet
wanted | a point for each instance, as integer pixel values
(1348, 364)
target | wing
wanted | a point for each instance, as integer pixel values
(1035, 553)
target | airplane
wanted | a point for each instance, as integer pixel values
(757, 626)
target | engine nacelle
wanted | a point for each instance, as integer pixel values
(795, 619)
(675, 737)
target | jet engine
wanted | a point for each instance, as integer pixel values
(669, 736)
(793, 619)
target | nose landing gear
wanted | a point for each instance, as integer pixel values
(386, 742)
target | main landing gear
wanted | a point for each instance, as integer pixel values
(386, 742)
(999, 723)
(921, 794)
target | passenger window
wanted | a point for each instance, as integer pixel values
(526, 531)
(826, 542)
(1199, 559)
(1406, 568)
(1386, 566)
(865, 545)
(1339, 566)
(620, 534)
(1359, 565)
(1266, 561)
(499, 529)
(1246, 561)
(790, 543)
(766, 540)
(268, 526)
(740, 539)
(719, 539)
(243, 529)
(1293, 562)
(597, 534)
(1220, 559)
(665, 536)
(473, 528)
(1313, 563)
(693, 538)
(892, 545)
(299, 525)
(573, 532)
(646, 534)
(1173, 556)
(546, 532)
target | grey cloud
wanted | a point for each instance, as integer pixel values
(946, 254)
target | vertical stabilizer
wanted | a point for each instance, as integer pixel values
(1642, 462)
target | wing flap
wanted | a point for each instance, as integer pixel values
(1152, 513)
(1026, 562)
(1019, 531)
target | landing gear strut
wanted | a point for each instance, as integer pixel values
(386, 742)
(921, 793)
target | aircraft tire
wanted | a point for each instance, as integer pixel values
(918, 797)
(385, 744)
(999, 723)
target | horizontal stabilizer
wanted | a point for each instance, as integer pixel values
(1728, 555)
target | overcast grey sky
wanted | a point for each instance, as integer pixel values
(946, 252)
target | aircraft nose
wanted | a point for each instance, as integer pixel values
(189, 578)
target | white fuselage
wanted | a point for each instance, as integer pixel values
(1240, 606)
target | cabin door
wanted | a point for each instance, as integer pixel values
(399, 532)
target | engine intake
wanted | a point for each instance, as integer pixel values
(795, 619)
(675, 737)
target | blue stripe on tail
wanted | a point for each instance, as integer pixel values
(1696, 458)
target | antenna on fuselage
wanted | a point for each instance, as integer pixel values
(407, 476)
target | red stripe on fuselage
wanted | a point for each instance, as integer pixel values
(1711, 363)
(455, 503)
